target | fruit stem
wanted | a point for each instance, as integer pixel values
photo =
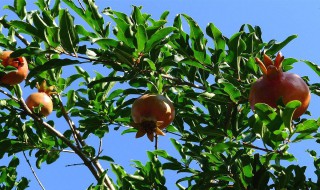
(156, 143)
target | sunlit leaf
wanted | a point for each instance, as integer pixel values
(68, 36)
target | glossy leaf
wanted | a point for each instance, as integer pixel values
(68, 36)
(54, 63)
(157, 37)
(278, 46)
(91, 15)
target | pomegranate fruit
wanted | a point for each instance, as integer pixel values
(20, 63)
(276, 84)
(41, 99)
(151, 113)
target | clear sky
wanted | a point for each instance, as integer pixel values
(277, 19)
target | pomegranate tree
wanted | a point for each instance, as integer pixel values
(275, 85)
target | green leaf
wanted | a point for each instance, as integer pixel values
(52, 156)
(52, 36)
(68, 36)
(130, 130)
(85, 75)
(137, 16)
(55, 9)
(232, 91)
(18, 91)
(141, 37)
(287, 63)
(216, 35)
(119, 172)
(107, 79)
(194, 63)
(124, 32)
(164, 15)
(25, 28)
(303, 136)
(20, 7)
(236, 43)
(91, 15)
(14, 162)
(288, 112)
(72, 98)
(51, 64)
(308, 126)
(106, 158)
(157, 37)
(151, 64)
(313, 66)
(221, 147)
(196, 34)
(106, 43)
(278, 46)
(83, 31)
(39, 22)
(247, 170)
(263, 109)
(178, 147)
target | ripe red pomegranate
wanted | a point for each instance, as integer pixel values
(276, 84)
(14, 77)
(151, 113)
(41, 99)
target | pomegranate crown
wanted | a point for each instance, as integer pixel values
(44, 88)
(269, 67)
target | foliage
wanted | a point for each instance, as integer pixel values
(205, 74)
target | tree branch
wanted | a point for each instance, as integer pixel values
(181, 82)
(20, 37)
(33, 172)
(259, 148)
(78, 151)
(76, 135)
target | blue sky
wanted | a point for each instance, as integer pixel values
(277, 19)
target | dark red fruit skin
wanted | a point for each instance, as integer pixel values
(270, 88)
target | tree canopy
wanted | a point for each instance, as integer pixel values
(219, 141)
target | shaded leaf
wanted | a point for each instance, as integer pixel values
(53, 63)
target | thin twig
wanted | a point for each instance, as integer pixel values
(82, 7)
(64, 150)
(32, 170)
(6, 25)
(9, 95)
(70, 165)
(91, 59)
(100, 147)
(173, 133)
(156, 142)
(181, 82)
(77, 137)
(90, 165)
(259, 148)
